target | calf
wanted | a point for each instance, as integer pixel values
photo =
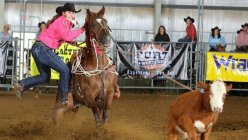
(193, 114)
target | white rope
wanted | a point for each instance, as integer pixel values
(78, 69)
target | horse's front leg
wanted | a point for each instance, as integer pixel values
(92, 104)
(97, 116)
(108, 102)
(58, 112)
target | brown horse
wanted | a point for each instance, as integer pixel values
(93, 78)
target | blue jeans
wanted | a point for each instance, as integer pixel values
(46, 59)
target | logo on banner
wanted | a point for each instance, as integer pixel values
(151, 56)
(229, 61)
(227, 67)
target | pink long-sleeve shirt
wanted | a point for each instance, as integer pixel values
(58, 32)
(242, 39)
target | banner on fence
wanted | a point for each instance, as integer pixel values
(227, 66)
(150, 60)
(64, 54)
(3, 58)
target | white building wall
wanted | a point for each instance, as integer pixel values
(133, 23)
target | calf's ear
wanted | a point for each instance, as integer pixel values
(228, 88)
(202, 85)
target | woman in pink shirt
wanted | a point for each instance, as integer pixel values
(59, 30)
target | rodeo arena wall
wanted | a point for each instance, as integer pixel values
(134, 25)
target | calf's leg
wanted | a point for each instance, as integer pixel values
(205, 135)
(172, 132)
(187, 123)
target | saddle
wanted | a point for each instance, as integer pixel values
(221, 48)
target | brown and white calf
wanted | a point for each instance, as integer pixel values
(193, 114)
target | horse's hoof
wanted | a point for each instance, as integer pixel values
(104, 120)
(98, 125)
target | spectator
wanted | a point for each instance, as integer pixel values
(190, 31)
(242, 39)
(190, 36)
(216, 40)
(42, 27)
(162, 36)
(5, 35)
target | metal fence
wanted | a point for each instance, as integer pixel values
(7, 81)
(21, 69)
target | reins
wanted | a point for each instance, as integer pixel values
(77, 68)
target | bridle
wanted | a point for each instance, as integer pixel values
(105, 29)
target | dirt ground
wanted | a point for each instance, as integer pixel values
(132, 117)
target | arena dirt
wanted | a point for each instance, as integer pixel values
(133, 117)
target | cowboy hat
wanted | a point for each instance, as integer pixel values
(67, 7)
(192, 20)
(239, 31)
(244, 25)
(216, 27)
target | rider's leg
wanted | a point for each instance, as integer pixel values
(64, 75)
(45, 72)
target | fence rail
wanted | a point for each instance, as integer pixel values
(198, 73)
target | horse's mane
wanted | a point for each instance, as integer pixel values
(87, 27)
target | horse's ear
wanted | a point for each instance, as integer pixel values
(101, 12)
(88, 11)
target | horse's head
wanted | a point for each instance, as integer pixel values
(97, 28)
(216, 92)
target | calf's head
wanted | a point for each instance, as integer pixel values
(218, 91)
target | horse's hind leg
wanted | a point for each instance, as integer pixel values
(97, 116)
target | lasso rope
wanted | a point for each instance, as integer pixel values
(77, 68)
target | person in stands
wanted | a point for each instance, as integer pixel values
(42, 27)
(161, 35)
(216, 39)
(242, 39)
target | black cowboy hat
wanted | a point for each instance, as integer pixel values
(67, 7)
(239, 31)
(185, 19)
(244, 25)
(216, 27)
